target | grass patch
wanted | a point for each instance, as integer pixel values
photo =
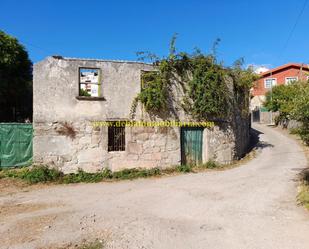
(303, 195)
(82, 176)
(210, 165)
(44, 174)
(136, 173)
(92, 245)
(184, 168)
(33, 175)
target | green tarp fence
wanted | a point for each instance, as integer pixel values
(15, 144)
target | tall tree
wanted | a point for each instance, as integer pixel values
(15, 80)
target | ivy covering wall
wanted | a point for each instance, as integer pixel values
(210, 90)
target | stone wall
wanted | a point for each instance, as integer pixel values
(145, 147)
(219, 144)
(55, 88)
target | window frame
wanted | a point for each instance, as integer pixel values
(142, 72)
(122, 129)
(100, 85)
(272, 85)
(289, 77)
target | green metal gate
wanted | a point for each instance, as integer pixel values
(191, 145)
(15, 144)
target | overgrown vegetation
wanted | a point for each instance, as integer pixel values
(303, 196)
(83, 92)
(292, 102)
(92, 245)
(33, 175)
(45, 174)
(206, 84)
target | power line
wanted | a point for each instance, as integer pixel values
(293, 28)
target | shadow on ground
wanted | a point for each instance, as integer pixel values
(255, 141)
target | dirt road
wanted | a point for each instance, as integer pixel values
(252, 206)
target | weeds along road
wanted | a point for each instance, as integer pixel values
(252, 206)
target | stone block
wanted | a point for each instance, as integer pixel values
(90, 155)
(52, 145)
(149, 150)
(134, 148)
(142, 136)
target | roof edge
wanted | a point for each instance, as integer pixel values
(97, 60)
(298, 65)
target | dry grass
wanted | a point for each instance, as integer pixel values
(303, 195)
(303, 190)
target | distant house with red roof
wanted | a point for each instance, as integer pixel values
(285, 74)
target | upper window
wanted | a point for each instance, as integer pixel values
(289, 80)
(269, 83)
(147, 76)
(89, 82)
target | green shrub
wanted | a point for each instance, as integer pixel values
(82, 176)
(83, 92)
(301, 112)
(292, 102)
(38, 174)
(154, 92)
(184, 168)
(136, 173)
(211, 165)
(303, 196)
(92, 245)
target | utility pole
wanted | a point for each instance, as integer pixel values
(271, 98)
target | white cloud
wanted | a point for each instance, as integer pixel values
(259, 68)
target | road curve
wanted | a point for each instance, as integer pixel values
(249, 207)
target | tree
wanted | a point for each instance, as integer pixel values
(282, 99)
(301, 112)
(15, 80)
(292, 102)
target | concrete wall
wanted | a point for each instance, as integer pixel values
(55, 89)
(56, 105)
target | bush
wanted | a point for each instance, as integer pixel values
(38, 174)
(292, 102)
(135, 173)
(83, 92)
(211, 165)
(184, 168)
(301, 112)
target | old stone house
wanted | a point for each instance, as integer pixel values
(70, 94)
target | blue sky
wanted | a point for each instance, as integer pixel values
(255, 30)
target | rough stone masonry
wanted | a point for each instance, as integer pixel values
(65, 137)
